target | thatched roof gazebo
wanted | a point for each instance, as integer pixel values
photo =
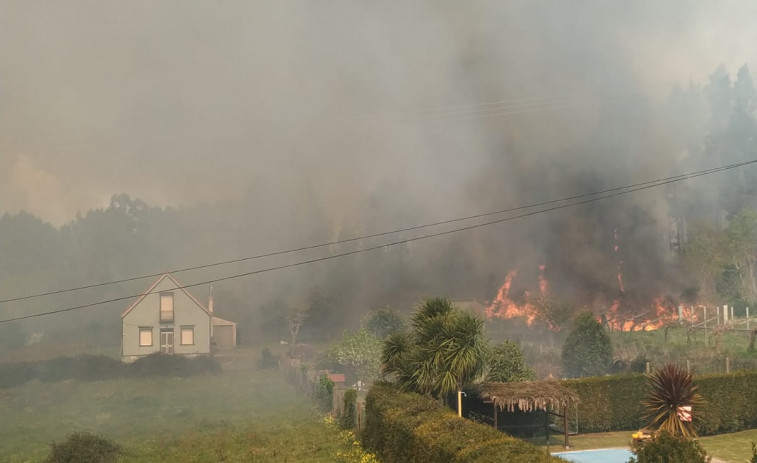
(528, 396)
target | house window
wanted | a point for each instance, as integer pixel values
(166, 307)
(145, 336)
(187, 335)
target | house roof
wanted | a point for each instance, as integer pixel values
(151, 290)
(527, 395)
(221, 322)
(337, 377)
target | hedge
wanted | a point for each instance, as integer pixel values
(100, 367)
(407, 428)
(613, 403)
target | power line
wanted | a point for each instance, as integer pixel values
(350, 240)
(649, 185)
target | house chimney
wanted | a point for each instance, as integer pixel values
(210, 301)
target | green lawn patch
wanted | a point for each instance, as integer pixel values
(234, 416)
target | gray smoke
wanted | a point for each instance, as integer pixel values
(298, 122)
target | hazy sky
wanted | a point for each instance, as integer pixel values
(177, 102)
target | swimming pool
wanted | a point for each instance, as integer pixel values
(596, 456)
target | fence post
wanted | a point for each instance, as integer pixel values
(705, 326)
(731, 315)
(747, 318)
(359, 407)
(647, 367)
(727, 365)
(688, 366)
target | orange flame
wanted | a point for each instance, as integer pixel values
(504, 307)
(660, 314)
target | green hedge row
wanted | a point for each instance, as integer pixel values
(100, 367)
(407, 428)
(613, 403)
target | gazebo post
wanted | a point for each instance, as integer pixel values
(565, 423)
(495, 414)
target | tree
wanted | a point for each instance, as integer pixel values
(295, 319)
(741, 239)
(359, 350)
(384, 322)
(505, 364)
(587, 350)
(670, 388)
(444, 351)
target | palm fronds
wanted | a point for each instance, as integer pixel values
(671, 388)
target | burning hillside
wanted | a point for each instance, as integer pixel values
(626, 312)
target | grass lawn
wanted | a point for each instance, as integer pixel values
(732, 448)
(240, 415)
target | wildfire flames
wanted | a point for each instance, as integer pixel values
(504, 307)
(618, 317)
(661, 313)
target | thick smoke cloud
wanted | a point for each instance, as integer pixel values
(310, 121)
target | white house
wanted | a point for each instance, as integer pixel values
(167, 318)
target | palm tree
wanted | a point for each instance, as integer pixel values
(461, 353)
(394, 355)
(671, 388)
(444, 351)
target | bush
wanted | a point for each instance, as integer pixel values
(407, 427)
(267, 359)
(324, 394)
(754, 453)
(587, 350)
(100, 367)
(667, 448)
(172, 365)
(83, 448)
(384, 322)
(505, 363)
(347, 420)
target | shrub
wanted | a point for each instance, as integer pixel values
(667, 448)
(15, 374)
(587, 350)
(267, 359)
(671, 387)
(347, 420)
(754, 453)
(100, 367)
(384, 322)
(324, 394)
(407, 427)
(505, 363)
(172, 365)
(82, 447)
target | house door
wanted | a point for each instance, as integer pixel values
(166, 341)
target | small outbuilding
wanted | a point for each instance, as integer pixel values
(224, 334)
(547, 397)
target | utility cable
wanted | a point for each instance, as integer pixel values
(394, 243)
(359, 238)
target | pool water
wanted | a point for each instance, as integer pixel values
(597, 456)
